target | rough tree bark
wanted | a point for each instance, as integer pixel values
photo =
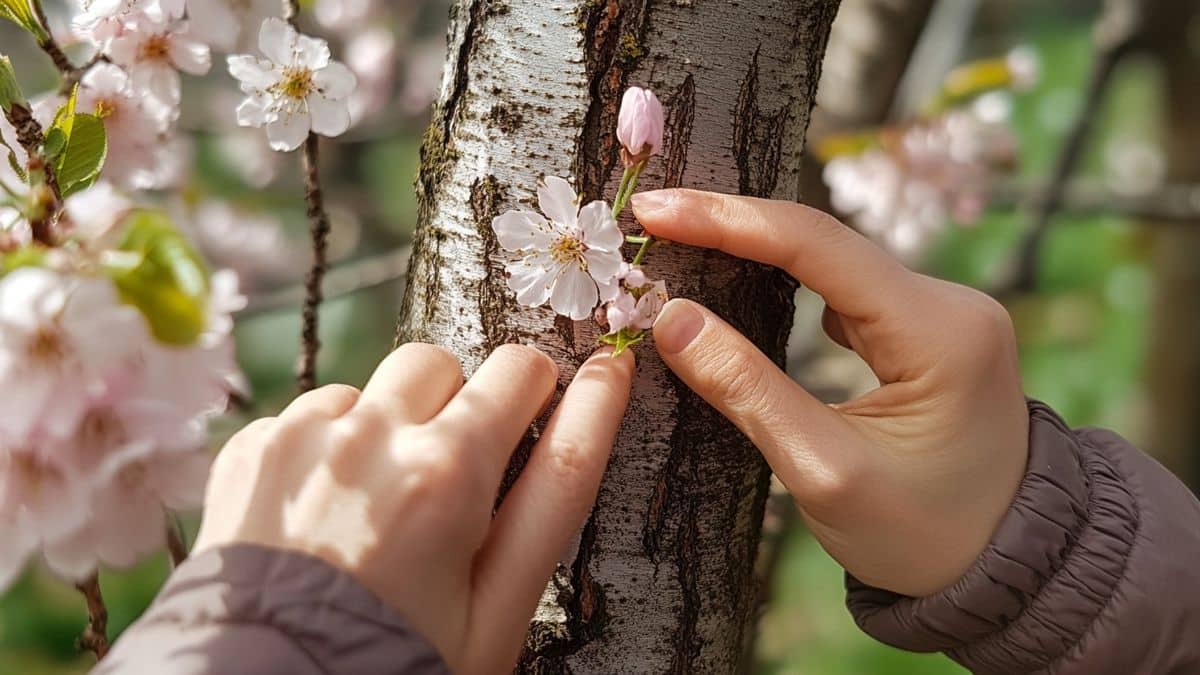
(662, 579)
(1174, 356)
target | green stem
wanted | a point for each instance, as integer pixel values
(631, 239)
(629, 183)
(641, 254)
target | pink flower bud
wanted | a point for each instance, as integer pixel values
(640, 124)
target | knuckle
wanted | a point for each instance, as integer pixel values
(832, 485)
(738, 379)
(987, 319)
(568, 461)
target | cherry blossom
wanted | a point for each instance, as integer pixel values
(636, 309)
(295, 90)
(154, 52)
(48, 325)
(639, 125)
(564, 256)
(134, 126)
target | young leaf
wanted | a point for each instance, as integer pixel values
(10, 89)
(80, 158)
(168, 283)
(20, 13)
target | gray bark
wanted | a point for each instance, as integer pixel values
(662, 578)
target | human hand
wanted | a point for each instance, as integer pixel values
(396, 485)
(905, 485)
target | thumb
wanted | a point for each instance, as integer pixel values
(804, 441)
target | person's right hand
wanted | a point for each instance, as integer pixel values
(905, 485)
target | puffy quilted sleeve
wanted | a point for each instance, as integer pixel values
(1095, 570)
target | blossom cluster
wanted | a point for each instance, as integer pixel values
(910, 181)
(570, 255)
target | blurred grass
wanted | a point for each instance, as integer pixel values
(1082, 341)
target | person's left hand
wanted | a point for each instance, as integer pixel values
(396, 485)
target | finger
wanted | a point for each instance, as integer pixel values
(330, 401)
(413, 383)
(831, 321)
(853, 275)
(495, 407)
(549, 502)
(802, 439)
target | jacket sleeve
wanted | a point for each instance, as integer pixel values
(248, 609)
(1094, 570)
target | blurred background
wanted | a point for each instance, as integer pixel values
(1108, 324)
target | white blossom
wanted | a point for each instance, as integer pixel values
(564, 256)
(296, 89)
(154, 52)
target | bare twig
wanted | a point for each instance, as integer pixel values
(1171, 204)
(48, 199)
(318, 226)
(341, 280)
(1115, 33)
(95, 635)
(50, 45)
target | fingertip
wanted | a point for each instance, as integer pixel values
(677, 326)
(656, 210)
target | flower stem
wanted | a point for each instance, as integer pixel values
(629, 181)
(318, 221)
(641, 254)
(95, 634)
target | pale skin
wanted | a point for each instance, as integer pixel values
(903, 486)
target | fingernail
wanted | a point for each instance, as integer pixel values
(654, 200)
(677, 325)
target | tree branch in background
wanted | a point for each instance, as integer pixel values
(51, 46)
(318, 226)
(95, 635)
(1115, 33)
(1171, 204)
(342, 280)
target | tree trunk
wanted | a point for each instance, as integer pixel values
(662, 580)
(1174, 356)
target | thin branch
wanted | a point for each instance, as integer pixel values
(50, 45)
(1171, 204)
(342, 280)
(95, 635)
(1115, 34)
(318, 226)
(48, 202)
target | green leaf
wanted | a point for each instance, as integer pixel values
(21, 13)
(16, 166)
(10, 89)
(622, 340)
(56, 142)
(79, 162)
(167, 282)
(26, 256)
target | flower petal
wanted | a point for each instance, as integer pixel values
(253, 73)
(252, 113)
(335, 81)
(310, 52)
(603, 265)
(531, 281)
(598, 229)
(575, 294)
(288, 131)
(277, 41)
(557, 200)
(329, 118)
(519, 230)
(190, 56)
